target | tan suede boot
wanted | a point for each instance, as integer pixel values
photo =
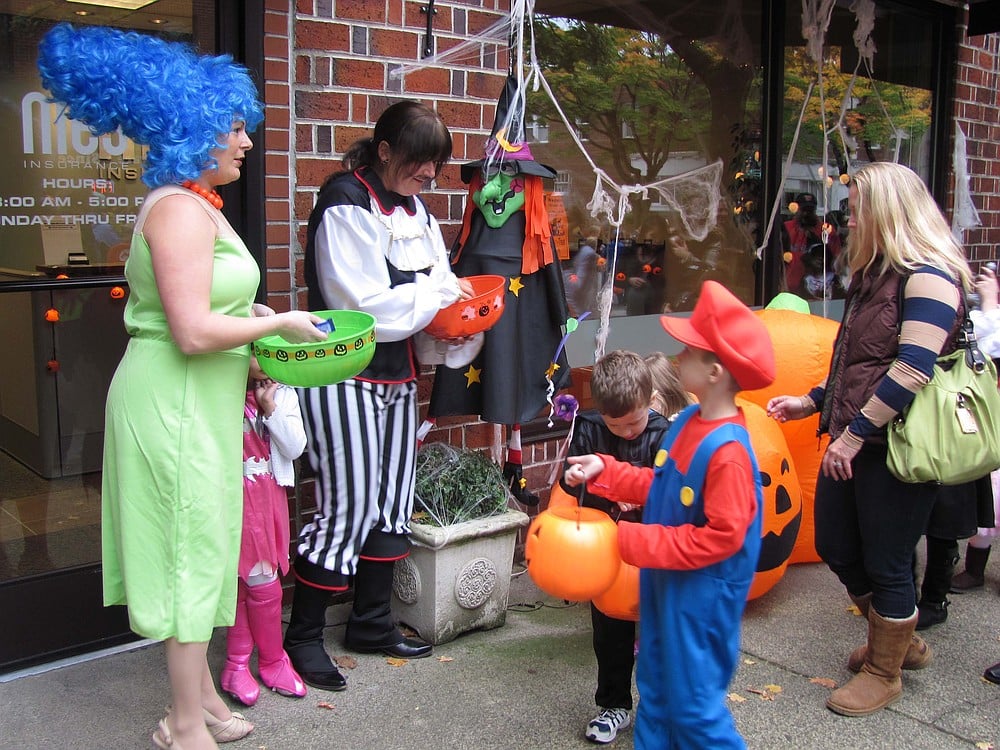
(918, 655)
(878, 684)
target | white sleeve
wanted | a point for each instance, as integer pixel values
(351, 266)
(987, 325)
(288, 436)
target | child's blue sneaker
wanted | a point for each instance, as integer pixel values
(604, 727)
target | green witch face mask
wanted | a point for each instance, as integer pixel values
(501, 196)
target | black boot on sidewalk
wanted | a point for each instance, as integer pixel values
(973, 577)
(371, 628)
(304, 639)
(942, 556)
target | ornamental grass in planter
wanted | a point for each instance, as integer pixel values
(457, 577)
(456, 485)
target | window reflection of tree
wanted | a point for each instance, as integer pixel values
(658, 102)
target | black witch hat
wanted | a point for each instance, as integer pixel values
(507, 144)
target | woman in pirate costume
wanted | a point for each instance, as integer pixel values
(372, 246)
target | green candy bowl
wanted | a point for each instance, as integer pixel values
(348, 349)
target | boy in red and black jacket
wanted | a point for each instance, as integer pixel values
(624, 426)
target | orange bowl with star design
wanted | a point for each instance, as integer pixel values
(469, 316)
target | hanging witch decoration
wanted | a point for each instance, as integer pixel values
(506, 231)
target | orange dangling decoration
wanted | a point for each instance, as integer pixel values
(572, 553)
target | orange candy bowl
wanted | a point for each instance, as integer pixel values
(469, 316)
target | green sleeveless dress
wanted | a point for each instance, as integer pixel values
(172, 493)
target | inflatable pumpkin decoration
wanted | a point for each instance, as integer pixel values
(572, 552)
(803, 345)
(782, 514)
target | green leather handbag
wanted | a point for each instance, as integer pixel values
(950, 433)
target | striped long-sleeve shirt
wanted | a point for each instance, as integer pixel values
(930, 305)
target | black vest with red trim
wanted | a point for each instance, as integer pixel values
(394, 361)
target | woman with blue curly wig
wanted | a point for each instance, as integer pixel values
(172, 487)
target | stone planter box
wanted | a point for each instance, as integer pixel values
(457, 578)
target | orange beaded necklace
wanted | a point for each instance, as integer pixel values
(210, 195)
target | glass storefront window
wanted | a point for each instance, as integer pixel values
(872, 110)
(657, 89)
(673, 108)
(68, 201)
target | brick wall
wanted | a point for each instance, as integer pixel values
(327, 79)
(975, 109)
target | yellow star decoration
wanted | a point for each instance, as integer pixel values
(516, 286)
(552, 370)
(472, 376)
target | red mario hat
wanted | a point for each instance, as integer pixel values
(723, 325)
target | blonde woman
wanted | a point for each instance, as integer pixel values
(903, 309)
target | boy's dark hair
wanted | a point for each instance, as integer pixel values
(621, 383)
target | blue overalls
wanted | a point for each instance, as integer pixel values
(690, 619)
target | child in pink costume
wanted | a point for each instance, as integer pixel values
(273, 437)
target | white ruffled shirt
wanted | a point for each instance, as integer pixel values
(344, 242)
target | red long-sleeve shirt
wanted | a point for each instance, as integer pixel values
(729, 500)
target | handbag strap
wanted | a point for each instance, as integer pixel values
(974, 357)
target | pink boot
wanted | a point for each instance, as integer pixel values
(236, 678)
(274, 667)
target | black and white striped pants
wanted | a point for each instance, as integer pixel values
(362, 446)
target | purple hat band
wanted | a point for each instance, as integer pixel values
(513, 151)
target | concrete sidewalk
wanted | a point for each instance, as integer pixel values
(530, 684)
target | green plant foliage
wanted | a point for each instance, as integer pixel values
(455, 485)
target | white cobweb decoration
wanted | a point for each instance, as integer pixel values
(965, 215)
(864, 13)
(694, 195)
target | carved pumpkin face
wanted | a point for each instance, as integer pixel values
(782, 497)
(572, 552)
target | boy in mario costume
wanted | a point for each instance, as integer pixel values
(699, 538)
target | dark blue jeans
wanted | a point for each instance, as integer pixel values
(868, 527)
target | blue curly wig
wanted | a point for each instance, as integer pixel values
(161, 94)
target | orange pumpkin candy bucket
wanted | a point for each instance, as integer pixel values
(471, 316)
(572, 552)
(621, 600)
